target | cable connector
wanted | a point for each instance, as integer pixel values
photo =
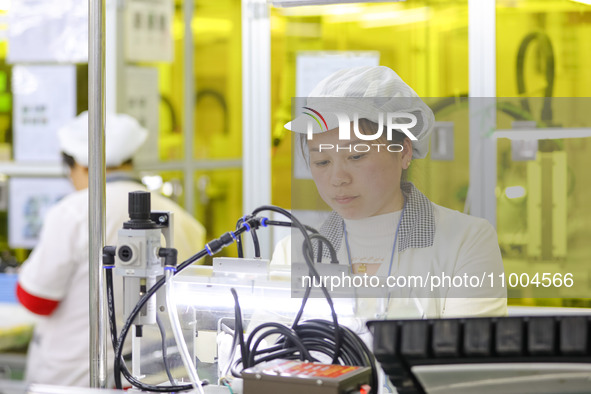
(109, 257)
(170, 257)
(253, 222)
(218, 244)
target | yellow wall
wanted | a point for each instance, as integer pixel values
(567, 26)
(218, 114)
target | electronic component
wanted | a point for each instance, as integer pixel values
(295, 377)
(136, 258)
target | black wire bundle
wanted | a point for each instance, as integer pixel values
(308, 228)
(119, 364)
(211, 248)
(255, 239)
(305, 340)
(164, 350)
(302, 340)
(120, 367)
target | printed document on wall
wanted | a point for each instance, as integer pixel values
(44, 100)
(141, 102)
(29, 201)
(148, 31)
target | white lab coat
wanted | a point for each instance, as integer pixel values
(58, 270)
(462, 244)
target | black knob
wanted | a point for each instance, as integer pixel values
(139, 205)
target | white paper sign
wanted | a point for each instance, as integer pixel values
(48, 31)
(44, 100)
(29, 201)
(142, 102)
(313, 67)
(148, 31)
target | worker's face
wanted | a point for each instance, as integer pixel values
(357, 184)
(79, 176)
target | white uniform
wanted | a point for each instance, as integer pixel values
(58, 270)
(461, 245)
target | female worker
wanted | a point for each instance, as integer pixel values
(360, 129)
(53, 282)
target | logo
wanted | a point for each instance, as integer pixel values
(316, 119)
(390, 119)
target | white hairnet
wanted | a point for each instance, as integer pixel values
(368, 91)
(123, 137)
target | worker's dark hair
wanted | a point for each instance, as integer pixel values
(70, 161)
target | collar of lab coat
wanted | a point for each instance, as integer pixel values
(417, 228)
(122, 176)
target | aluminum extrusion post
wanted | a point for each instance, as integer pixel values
(96, 190)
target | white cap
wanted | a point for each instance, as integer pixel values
(123, 137)
(368, 91)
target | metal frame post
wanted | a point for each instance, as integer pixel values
(482, 66)
(189, 107)
(96, 190)
(256, 109)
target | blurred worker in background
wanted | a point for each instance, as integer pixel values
(54, 281)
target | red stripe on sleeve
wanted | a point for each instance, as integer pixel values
(38, 305)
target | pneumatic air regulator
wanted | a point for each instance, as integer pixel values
(137, 256)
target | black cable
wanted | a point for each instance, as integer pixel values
(255, 242)
(238, 330)
(308, 228)
(174, 124)
(120, 363)
(353, 346)
(338, 341)
(299, 341)
(301, 311)
(239, 239)
(311, 336)
(112, 321)
(307, 252)
(277, 329)
(289, 224)
(311, 267)
(211, 248)
(546, 45)
(255, 239)
(222, 101)
(121, 368)
(322, 239)
(164, 350)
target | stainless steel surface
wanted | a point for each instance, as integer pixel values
(189, 105)
(96, 190)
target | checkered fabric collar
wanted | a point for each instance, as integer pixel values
(417, 229)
